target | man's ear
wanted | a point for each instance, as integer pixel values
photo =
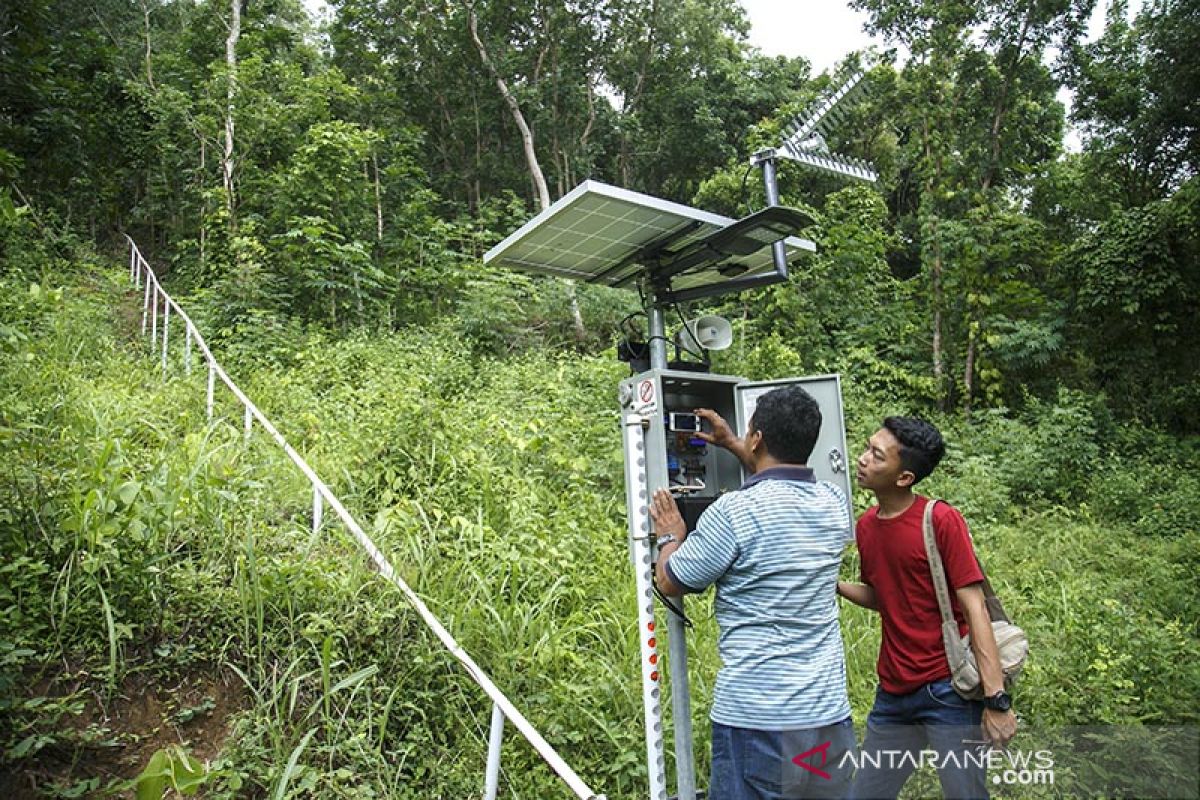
(906, 479)
(754, 439)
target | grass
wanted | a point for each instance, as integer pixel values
(141, 540)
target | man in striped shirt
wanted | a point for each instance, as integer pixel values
(781, 714)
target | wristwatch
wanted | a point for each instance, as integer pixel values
(665, 540)
(1000, 701)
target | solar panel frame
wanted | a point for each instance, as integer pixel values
(596, 227)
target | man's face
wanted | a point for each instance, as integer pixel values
(879, 465)
(752, 441)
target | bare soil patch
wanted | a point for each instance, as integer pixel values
(112, 740)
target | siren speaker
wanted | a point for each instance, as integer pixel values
(710, 332)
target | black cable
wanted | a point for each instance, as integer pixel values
(676, 610)
(645, 345)
(742, 191)
(625, 319)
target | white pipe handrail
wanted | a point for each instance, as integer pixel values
(503, 708)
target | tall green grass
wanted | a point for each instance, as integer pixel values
(141, 540)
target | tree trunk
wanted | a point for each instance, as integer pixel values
(633, 100)
(203, 206)
(378, 198)
(358, 303)
(591, 122)
(235, 32)
(932, 182)
(935, 300)
(969, 369)
(535, 170)
(1001, 108)
(146, 27)
(475, 190)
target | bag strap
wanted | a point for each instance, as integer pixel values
(936, 570)
(938, 573)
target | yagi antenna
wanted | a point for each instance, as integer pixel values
(805, 143)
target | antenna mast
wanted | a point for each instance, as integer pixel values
(805, 144)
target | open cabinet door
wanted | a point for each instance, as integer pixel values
(830, 459)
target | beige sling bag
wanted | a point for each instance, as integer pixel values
(1010, 640)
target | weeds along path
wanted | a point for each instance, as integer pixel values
(160, 583)
(159, 563)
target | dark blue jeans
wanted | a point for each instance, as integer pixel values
(762, 765)
(933, 719)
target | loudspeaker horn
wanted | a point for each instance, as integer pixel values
(709, 331)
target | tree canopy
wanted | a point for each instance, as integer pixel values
(352, 175)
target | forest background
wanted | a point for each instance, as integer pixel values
(319, 201)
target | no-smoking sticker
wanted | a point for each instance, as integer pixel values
(646, 393)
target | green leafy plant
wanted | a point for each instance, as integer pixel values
(170, 768)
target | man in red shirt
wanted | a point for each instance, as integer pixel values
(916, 709)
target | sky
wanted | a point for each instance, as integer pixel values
(823, 31)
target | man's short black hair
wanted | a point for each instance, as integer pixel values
(921, 444)
(789, 420)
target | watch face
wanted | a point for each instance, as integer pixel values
(1000, 701)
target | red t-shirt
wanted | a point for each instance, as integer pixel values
(892, 553)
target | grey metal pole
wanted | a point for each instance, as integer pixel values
(658, 337)
(681, 694)
(492, 777)
(772, 186)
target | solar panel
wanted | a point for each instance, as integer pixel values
(598, 233)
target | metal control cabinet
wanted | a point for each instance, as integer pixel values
(697, 473)
(661, 451)
(830, 459)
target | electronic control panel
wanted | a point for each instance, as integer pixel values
(695, 472)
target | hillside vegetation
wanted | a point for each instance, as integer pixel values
(147, 552)
(320, 194)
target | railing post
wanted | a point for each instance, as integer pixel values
(492, 779)
(212, 376)
(145, 304)
(154, 316)
(132, 262)
(166, 328)
(187, 349)
(318, 507)
(246, 424)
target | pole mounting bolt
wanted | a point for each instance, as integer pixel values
(766, 154)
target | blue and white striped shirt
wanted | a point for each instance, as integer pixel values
(773, 549)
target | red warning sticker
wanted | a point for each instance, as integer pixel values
(646, 392)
